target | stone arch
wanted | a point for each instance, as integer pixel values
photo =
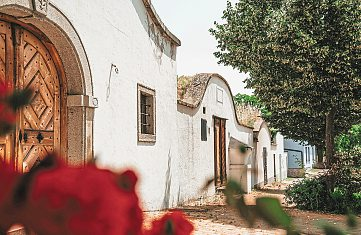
(57, 32)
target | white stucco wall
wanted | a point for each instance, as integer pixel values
(281, 157)
(117, 32)
(263, 141)
(197, 157)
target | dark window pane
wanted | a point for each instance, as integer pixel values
(203, 130)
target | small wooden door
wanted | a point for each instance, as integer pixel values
(220, 166)
(38, 124)
(265, 165)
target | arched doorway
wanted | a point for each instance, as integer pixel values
(25, 62)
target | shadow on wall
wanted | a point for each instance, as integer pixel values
(153, 33)
(168, 182)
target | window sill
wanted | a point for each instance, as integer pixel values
(146, 138)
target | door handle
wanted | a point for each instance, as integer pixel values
(23, 136)
(39, 137)
(20, 136)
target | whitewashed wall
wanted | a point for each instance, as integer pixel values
(263, 141)
(281, 157)
(120, 32)
(197, 157)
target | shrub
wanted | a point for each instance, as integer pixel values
(308, 194)
(339, 190)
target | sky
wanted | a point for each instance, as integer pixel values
(190, 21)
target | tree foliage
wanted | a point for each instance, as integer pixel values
(303, 58)
(350, 140)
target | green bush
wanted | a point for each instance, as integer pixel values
(339, 190)
(308, 194)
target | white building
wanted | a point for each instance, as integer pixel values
(269, 161)
(300, 156)
(279, 157)
(210, 138)
(104, 76)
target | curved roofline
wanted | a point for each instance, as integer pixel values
(210, 75)
(158, 22)
(259, 126)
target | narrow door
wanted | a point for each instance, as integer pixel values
(220, 152)
(26, 63)
(39, 122)
(265, 165)
(274, 167)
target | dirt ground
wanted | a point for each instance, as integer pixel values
(217, 218)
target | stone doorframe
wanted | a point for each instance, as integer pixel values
(44, 18)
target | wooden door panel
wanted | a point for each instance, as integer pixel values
(223, 152)
(2, 152)
(217, 168)
(33, 154)
(6, 75)
(40, 120)
(220, 165)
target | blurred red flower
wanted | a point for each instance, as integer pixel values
(8, 183)
(89, 201)
(172, 223)
(7, 114)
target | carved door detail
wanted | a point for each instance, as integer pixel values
(40, 120)
(38, 124)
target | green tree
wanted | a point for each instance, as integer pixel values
(350, 140)
(303, 58)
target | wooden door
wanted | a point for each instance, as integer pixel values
(26, 63)
(220, 165)
(6, 75)
(39, 122)
(265, 165)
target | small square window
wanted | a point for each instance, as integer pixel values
(219, 95)
(146, 114)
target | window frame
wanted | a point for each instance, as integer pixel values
(146, 137)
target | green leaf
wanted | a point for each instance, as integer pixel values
(332, 230)
(272, 212)
(351, 220)
(235, 198)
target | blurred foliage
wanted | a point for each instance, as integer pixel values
(268, 209)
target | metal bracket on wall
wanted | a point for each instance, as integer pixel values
(116, 70)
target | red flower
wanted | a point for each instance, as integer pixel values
(8, 182)
(89, 201)
(173, 223)
(7, 114)
(5, 88)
